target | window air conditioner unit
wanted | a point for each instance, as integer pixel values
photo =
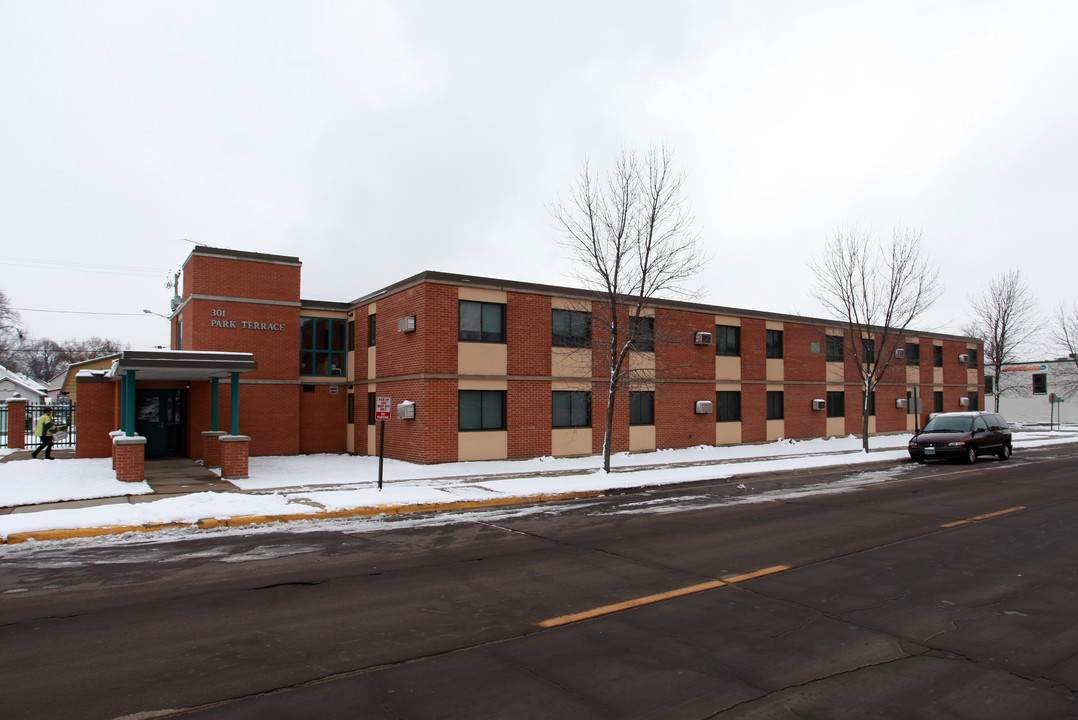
(963, 358)
(406, 324)
(703, 338)
(901, 403)
(703, 407)
(900, 353)
(964, 402)
(819, 404)
(406, 410)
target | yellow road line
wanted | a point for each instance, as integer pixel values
(983, 517)
(649, 599)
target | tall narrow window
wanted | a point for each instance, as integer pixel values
(774, 344)
(836, 404)
(937, 401)
(481, 410)
(351, 409)
(1040, 383)
(774, 405)
(571, 409)
(728, 340)
(372, 330)
(913, 353)
(481, 322)
(642, 408)
(937, 357)
(351, 334)
(871, 402)
(370, 408)
(642, 330)
(989, 384)
(868, 351)
(971, 358)
(728, 406)
(570, 328)
(974, 400)
(836, 349)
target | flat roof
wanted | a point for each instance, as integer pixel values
(180, 365)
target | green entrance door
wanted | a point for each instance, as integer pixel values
(159, 417)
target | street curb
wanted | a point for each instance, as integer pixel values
(248, 520)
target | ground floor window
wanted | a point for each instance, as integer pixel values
(642, 408)
(481, 410)
(728, 406)
(937, 401)
(774, 405)
(836, 404)
(571, 409)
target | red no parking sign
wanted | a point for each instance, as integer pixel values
(382, 408)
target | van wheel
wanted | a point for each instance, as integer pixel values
(1005, 452)
(971, 455)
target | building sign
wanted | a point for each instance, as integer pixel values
(217, 319)
(382, 407)
(1025, 368)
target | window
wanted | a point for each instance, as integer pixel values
(774, 405)
(868, 351)
(642, 408)
(481, 322)
(372, 330)
(481, 409)
(642, 331)
(351, 334)
(913, 353)
(570, 328)
(937, 400)
(571, 409)
(370, 408)
(974, 400)
(836, 351)
(351, 409)
(972, 355)
(728, 340)
(322, 346)
(728, 406)
(774, 343)
(1040, 383)
(836, 404)
(871, 402)
(308, 388)
(937, 358)
(989, 385)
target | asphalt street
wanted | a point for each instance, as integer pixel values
(897, 591)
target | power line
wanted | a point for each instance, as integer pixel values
(82, 267)
(77, 312)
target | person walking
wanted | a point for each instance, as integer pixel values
(44, 430)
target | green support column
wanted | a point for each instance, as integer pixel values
(129, 403)
(213, 403)
(235, 403)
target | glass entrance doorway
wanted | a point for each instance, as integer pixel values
(159, 417)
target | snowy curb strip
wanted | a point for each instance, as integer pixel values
(241, 521)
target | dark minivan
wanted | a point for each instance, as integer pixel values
(962, 436)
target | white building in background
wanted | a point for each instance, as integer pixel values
(1027, 390)
(13, 383)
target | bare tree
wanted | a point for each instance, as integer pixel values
(11, 335)
(630, 239)
(876, 290)
(1065, 335)
(1004, 316)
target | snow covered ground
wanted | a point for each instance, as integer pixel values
(309, 484)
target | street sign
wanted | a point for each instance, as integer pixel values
(382, 408)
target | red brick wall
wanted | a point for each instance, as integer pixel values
(97, 416)
(676, 352)
(528, 320)
(528, 416)
(324, 420)
(677, 425)
(801, 421)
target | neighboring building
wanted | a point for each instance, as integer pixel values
(1027, 390)
(13, 383)
(491, 369)
(63, 385)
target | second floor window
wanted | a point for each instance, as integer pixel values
(913, 354)
(372, 330)
(481, 322)
(937, 358)
(570, 328)
(642, 332)
(836, 349)
(774, 344)
(728, 340)
(322, 346)
(971, 358)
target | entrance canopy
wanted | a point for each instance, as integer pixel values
(179, 366)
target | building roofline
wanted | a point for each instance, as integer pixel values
(444, 278)
(242, 255)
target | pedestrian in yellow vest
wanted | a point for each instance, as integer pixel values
(44, 430)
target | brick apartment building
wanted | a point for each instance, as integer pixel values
(479, 368)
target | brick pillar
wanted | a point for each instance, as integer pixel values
(112, 443)
(234, 451)
(130, 458)
(211, 447)
(16, 423)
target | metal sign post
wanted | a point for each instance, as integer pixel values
(382, 407)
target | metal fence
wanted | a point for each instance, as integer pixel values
(61, 415)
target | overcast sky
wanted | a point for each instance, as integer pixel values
(375, 140)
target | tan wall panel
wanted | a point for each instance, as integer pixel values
(836, 373)
(492, 445)
(727, 368)
(372, 362)
(776, 371)
(728, 320)
(563, 303)
(475, 384)
(567, 442)
(641, 438)
(482, 295)
(372, 438)
(773, 325)
(913, 375)
(937, 376)
(642, 361)
(728, 433)
(836, 427)
(775, 429)
(574, 362)
(482, 359)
